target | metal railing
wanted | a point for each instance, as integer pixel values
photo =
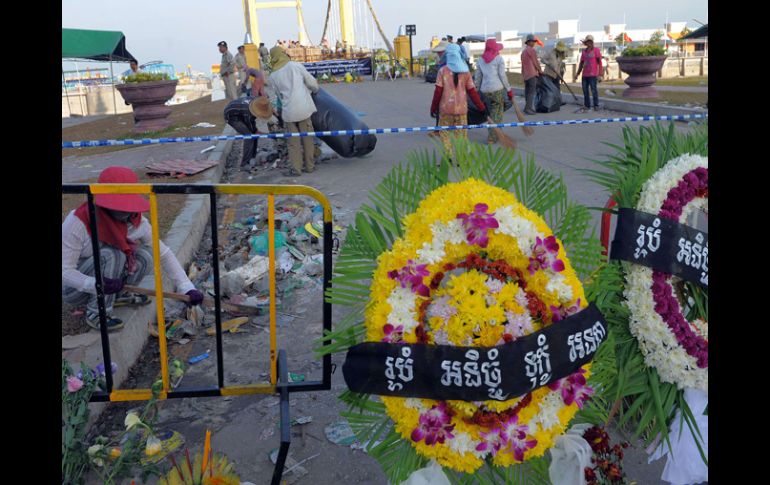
(277, 357)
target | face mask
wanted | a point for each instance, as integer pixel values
(120, 216)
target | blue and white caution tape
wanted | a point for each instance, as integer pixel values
(376, 131)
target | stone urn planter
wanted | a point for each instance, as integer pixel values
(148, 100)
(641, 72)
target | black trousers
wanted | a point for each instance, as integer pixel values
(238, 116)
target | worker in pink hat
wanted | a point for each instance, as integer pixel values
(125, 239)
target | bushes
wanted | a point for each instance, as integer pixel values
(143, 77)
(644, 50)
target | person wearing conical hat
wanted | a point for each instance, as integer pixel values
(453, 84)
(554, 64)
(125, 253)
(248, 116)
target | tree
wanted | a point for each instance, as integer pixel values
(619, 38)
(684, 32)
(656, 37)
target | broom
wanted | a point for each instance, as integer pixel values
(520, 116)
(504, 139)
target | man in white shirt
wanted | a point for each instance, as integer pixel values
(293, 85)
(125, 239)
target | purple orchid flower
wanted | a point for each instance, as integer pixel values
(410, 276)
(573, 389)
(492, 441)
(515, 434)
(477, 223)
(434, 426)
(393, 334)
(100, 371)
(544, 255)
(560, 312)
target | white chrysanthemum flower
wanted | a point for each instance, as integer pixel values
(558, 284)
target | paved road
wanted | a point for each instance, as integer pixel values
(685, 89)
(244, 428)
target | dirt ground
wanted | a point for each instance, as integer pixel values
(182, 117)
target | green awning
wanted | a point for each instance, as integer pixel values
(697, 34)
(96, 45)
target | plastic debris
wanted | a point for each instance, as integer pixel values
(229, 325)
(198, 358)
(296, 377)
(254, 270)
(203, 124)
(208, 149)
(285, 262)
(259, 243)
(340, 433)
(302, 420)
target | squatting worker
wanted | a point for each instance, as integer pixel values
(249, 115)
(293, 86)
(530, 70)
(125, 239)
(449, 98)
(227, 71)
(240, 64)
(493, 83)
(591, 67)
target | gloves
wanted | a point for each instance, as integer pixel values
(111, 286)
(510, 94)
(196, 297)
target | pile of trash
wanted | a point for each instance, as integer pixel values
(244, 263)
(274, 154)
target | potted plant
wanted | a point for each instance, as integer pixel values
(641, 63)
(148, 93)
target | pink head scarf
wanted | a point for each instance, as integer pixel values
(491, 50)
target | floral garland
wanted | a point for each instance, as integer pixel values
(476, 268)
(675, 347)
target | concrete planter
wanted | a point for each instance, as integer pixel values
(148, 100)
(641, 75)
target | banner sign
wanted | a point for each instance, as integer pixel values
(661, 244)
(499, 373)
(362, 66)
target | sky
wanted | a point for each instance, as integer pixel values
(186, 32)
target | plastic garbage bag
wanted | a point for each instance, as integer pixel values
(432, 474)
(476, 117)
(547, 95)
(259, 243)
(684, 465)
(332, 115)
(570, 456)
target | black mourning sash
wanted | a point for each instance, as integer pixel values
(476, 373)
(661, 244)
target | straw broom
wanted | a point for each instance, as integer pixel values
(528, 130)
(504, 139)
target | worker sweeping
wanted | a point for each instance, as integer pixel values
(125, 252)
(450, 104)
(493, 83)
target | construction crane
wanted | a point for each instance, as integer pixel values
(345, 22)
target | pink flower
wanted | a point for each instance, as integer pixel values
(560, 313)
(573, 388)
(516, 435)
(393, 334)
(477, 223)
(434, 425)
(544, 255)
(410, 276)
(491, 441)
(74, 384)
(518, 325)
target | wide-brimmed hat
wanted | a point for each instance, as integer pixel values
(440, 47)
(260, 107)
(530, 37)
(588, 37)
(120, 202)
(560, 46)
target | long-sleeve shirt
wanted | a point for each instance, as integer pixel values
(491, 77)
(530, 66)
(553, 64)
(292, 85)
(240, 62)
(227, 66)
(76, 244)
